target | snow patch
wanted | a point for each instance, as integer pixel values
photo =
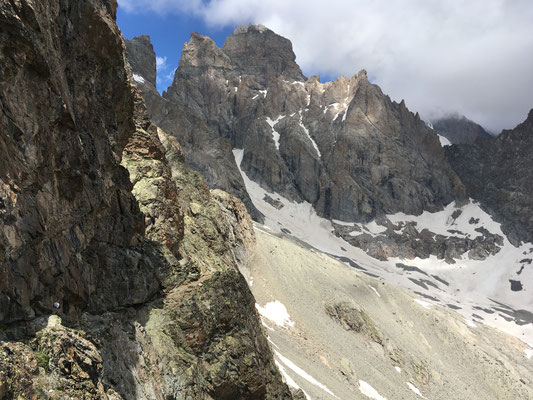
(306, 131)
(414, 389)
(289, 364)
(424, 304)
(441, 222)
(288, 380)
(444, 141)
(276, 312)
(369, 391)
(398, 369)
(528, 353)
(275, 134)
(470, 323)
(138, 78)
(374, 289)
(343, 223)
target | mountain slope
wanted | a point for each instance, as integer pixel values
(338, 333)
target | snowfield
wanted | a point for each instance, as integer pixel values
(478, 289)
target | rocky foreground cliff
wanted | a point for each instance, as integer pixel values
(118, 265)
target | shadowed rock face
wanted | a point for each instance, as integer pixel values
(459, 130)
(102, 223)
(343, 146)
(498, 174)
(71, 231)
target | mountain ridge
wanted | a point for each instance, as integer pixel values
(312, 159)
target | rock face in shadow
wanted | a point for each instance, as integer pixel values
(102, 223)
(343, 146)
(71, 229)
(498, 174)
(460, 130)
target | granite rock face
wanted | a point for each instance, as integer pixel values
(102, 223)
(498, 174)
(460, 130)
(342, 146)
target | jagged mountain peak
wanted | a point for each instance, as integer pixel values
(258, 51)
(243, 29)
(142, 56)
(202, 51)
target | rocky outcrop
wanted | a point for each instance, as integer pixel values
(103, 224)
(58, 363)
(407, 241)
(343, 146)
(353, 318)
(498, 174)
(460, 130)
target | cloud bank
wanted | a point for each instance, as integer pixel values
(474, 57)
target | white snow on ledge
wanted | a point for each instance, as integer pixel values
(275, 134)
(444, 141)
(276, 312)
(306, 131)
(138, 78)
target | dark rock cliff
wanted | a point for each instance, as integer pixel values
(343, 146)
(498, 174)
(71, 228)
(103, 224)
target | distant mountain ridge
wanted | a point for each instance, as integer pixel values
(459, 130)
(498, 173)
(342, 146)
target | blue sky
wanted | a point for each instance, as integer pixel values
(168, 33)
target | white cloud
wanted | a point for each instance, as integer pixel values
(161, 63)
(470, 56)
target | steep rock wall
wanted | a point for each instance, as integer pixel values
(100, 217)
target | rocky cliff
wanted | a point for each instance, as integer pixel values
(118, 266)
(342, 146)
(498, 174)
(459, 130)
